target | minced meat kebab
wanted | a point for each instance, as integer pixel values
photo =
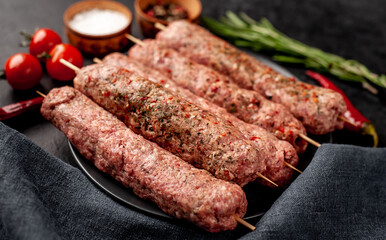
(245, 104)
(279, 151)
(153, 173)
(319, 109)
(197, 136)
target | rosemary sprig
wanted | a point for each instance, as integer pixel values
(244, 31)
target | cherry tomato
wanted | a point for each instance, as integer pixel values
(23, 71)
(43, 40)
(56, 69)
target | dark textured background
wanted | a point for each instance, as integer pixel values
(353, 29)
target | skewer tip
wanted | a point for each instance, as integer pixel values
(40, 93)
(267, 179)
(97, 60)
(244, 223)
(309, 140)
(290, 166)
(68, 64)
(160, 26)
(347, 121)
(134, 39)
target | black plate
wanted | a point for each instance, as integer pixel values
(259, 198)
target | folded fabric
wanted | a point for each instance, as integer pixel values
(341, 195)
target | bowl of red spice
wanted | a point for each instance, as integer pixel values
(149, 12)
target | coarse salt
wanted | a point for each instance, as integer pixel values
(99, 22)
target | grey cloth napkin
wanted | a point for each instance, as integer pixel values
(341, 195)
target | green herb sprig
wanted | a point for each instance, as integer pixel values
(243, 31)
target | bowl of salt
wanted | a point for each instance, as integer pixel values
(98, 27)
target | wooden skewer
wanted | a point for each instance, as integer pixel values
(243, 222)
(266, 179)
(97, 60)
(40, 93)
(313, 142)
(160, 26)
(134, 40)
(290, 166)
(347, 121)
(69, 65)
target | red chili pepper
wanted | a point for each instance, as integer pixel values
(357, 122)
(15, 109)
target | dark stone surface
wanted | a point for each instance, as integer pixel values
(352, 29)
